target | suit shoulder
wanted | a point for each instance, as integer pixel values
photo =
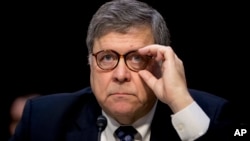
(204, 96)
(210, 103)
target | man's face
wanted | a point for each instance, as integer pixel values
(121, 92)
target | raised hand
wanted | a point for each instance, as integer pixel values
(170, 87)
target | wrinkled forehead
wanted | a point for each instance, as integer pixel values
(131, 39)
(122, 29)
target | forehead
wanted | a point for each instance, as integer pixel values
(133, 38)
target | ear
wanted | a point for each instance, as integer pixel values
(90, 59)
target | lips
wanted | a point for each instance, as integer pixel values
(121, 93)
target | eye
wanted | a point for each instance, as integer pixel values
(135, 58)
(106, 57)
(136, 61)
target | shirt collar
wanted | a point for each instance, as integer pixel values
(142, 125)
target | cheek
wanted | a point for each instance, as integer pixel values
(99, 82)
(144, 93)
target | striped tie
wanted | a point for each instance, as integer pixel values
(126, 133)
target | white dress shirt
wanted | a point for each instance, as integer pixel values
(190, 123)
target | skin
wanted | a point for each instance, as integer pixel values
(127, 95)
(16, 110)
(16, 113)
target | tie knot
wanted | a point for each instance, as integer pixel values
(126, 133)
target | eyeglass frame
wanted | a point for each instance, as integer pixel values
(148, 58)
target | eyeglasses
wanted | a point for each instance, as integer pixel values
(109, 59)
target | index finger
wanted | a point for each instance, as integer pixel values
(159, 52)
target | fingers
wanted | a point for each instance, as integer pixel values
(148, 78)
(159, 52)
(171, 86)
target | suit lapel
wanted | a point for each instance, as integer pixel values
(161, 127)
(84, 126)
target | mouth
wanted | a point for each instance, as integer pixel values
(122, 97)
(121, 94)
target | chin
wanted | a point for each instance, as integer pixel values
(123, 109)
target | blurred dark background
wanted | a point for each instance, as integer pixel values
(44, 48)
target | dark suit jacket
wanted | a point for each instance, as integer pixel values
(72, 117)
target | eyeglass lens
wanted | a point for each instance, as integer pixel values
(109, 59)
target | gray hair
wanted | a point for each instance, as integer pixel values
(120, 15)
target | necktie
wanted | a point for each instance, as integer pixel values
(126, 133)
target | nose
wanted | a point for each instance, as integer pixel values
(121, 73)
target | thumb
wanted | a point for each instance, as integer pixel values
(148, 78)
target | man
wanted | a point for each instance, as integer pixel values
(16, 110)
(136, 80)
